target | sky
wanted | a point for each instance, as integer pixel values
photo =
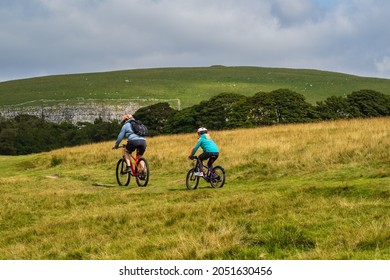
(51, 37)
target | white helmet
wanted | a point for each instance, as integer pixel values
(202, 130)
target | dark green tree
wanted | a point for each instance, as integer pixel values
(101, 130)
(333, 108)
(241, 114)
(69, 134)
(33, 135)
(8, 137)
(291, 107)
(262, 109)
(219, 112)
(27, 134)
(183, 121)
(369, 103)
(280, 106)
(155, 117)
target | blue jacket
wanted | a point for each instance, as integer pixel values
(206, 143)
(127, 131)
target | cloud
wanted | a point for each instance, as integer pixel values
(292, 12)
(383, 66)
(44, 37)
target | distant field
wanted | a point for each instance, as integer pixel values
(189, 85)
(302, 191)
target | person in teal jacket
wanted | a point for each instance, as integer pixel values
(210, 150)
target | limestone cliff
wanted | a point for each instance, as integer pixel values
(81, 112)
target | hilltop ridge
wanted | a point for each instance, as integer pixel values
(188, 84)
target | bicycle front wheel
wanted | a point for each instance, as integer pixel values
(122, 177)
(192, 181)
(143, 172)
(217, 179)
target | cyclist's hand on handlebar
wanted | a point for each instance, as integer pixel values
(191, 157)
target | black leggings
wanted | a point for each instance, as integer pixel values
(212, 157)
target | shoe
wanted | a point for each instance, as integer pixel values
(127, 170)
(199, 174)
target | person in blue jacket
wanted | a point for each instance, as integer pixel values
(134, 141)
(210, 150)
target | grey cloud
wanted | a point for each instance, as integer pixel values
(70, 36)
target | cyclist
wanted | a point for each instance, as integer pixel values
(134, 141)
(210, 150)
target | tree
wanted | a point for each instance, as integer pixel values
(27, 134)
(183, 121)
(155, 117)
(262, 109)
(219, 112)
(8, 138)
(280, 106)
(241, 114)
(369, 103)
(333, 108)
(291, 107)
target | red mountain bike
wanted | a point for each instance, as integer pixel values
(139, 169)
(214, 175)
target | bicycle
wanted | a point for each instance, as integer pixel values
(139, 169)
(213, 175)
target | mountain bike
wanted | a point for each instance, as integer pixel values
(139, 169)
(213, 175)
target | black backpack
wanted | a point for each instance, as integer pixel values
(139, 128)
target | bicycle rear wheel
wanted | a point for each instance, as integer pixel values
(122, 177)
(192, 181)
(143, 173)
(217, 179)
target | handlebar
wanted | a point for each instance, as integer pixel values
(121, 146)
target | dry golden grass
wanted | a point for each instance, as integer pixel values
(302, 191)
(308, 147)
(290, 148)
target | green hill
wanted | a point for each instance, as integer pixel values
(189, 85)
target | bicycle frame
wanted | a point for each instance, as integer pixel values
(133, 161)
(208, 174)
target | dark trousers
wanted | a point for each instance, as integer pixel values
(212, 157)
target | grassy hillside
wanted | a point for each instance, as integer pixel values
(190, 85)
(306, 191)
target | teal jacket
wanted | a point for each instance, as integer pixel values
(206, 143)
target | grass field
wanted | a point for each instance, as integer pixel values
(191, 85)
(304, 191)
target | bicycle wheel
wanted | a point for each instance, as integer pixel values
(192, 181)
(217, 179)
(143, 173)
(122, 177)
